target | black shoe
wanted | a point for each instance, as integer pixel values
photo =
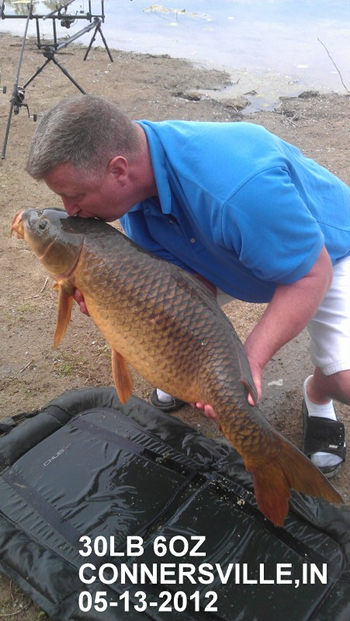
(166, 406)
(326, 435)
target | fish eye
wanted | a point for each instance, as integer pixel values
(42, 224)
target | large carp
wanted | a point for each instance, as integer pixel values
(168, 326)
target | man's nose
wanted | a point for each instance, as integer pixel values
(70, 206)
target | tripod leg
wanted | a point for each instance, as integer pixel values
(68, 75)
(90, 44)
(105, 43)
(98, 28)
(3, 154)
(39, 70)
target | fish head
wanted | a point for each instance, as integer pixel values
(45, 230)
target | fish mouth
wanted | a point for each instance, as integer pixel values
(17, 225)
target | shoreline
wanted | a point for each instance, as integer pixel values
(255, 91)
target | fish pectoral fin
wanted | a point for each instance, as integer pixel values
(65, 303)
(121, 376)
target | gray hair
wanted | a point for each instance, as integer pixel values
(85, 131)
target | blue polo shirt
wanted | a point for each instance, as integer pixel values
(239, 206)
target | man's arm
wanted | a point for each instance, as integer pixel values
(289, 311)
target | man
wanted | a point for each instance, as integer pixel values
(235, 205)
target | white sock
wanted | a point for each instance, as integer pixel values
(323, 411)
(164, 396)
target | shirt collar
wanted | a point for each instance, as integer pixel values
(160, 168)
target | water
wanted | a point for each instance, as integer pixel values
(274, 47)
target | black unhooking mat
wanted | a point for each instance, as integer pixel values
(121, 512)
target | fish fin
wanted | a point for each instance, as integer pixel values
(250, 388)
(246, 377)
(290, 469)
(121, 376)
(65, 303)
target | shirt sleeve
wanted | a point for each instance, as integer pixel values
(271, 229)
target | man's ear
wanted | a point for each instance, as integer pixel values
(118, 166)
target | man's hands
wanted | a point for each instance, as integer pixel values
(257, 377)
(80, 300)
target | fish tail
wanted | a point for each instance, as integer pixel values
(289, 469)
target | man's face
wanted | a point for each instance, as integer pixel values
(88, 195)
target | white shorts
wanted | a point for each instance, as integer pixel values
(329, 329)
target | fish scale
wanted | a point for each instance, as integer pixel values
(168, 326)
(176, 323)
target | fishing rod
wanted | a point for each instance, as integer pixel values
(18, 93)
